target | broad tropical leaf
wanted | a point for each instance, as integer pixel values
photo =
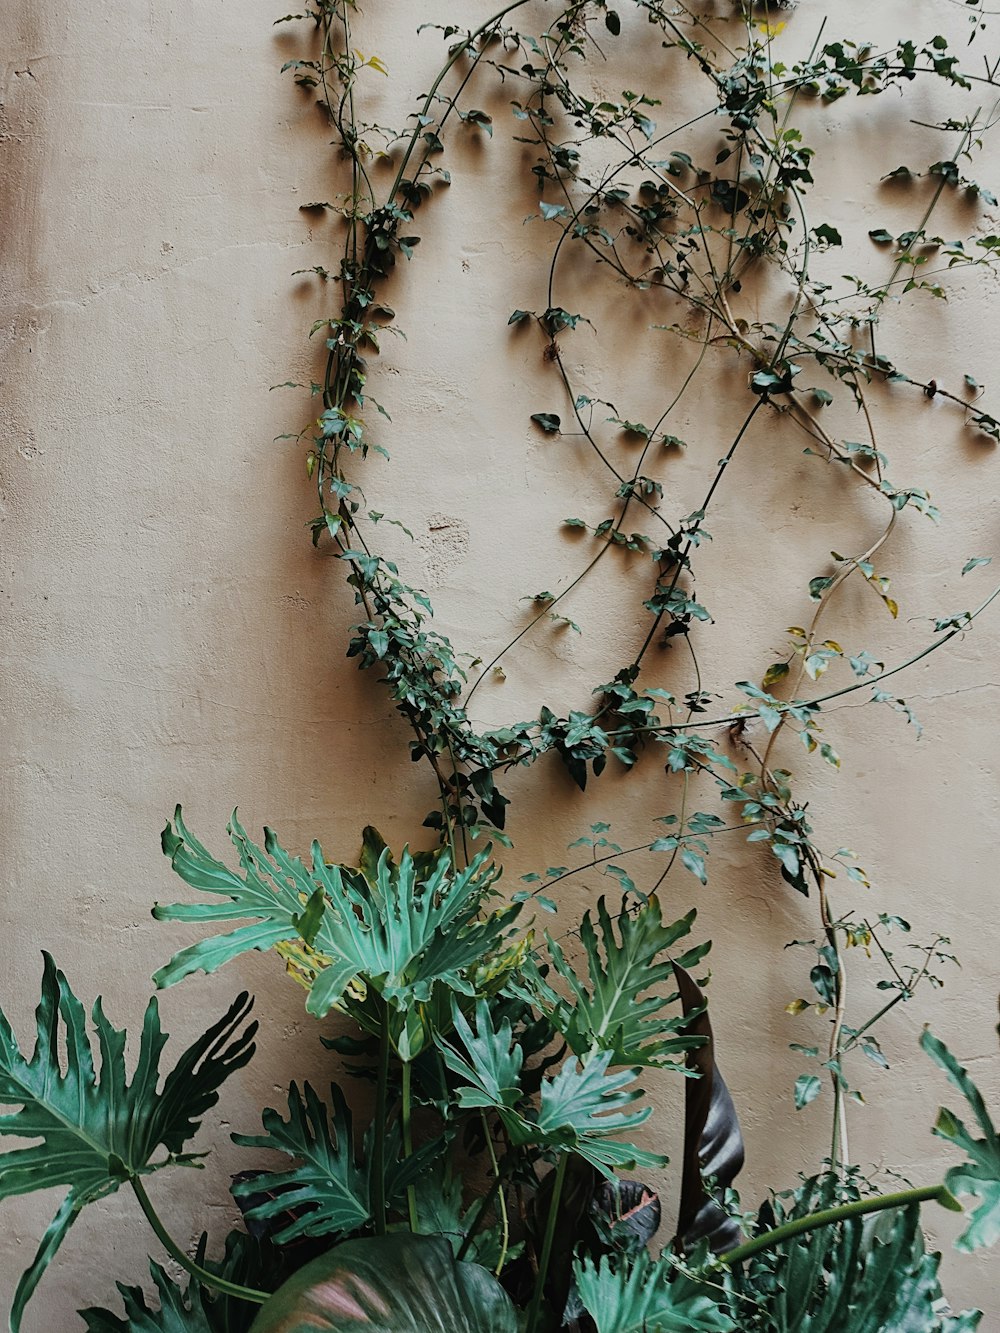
(980, 1175)
(400, 931)
(865, 1275)
(643, 1296)
(328, 1191)
(96, 1128)
(441, 1212)
(389, 1284)
(580, 1108)
(616, 1011)
(713, 1142)
(492, 1071)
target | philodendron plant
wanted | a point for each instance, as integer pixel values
(484, 1045)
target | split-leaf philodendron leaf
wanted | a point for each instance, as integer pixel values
(623, 1009)
(581, 1108)
(96, 1129)
(181, 1311)
(327, 1193)
(398, 929)
(644, 1296)
(389, 1284)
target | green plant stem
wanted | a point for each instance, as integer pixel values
(187, 1263)
(411, 1193)
(484, 1208)
(456, 54)
(381, 1101)
(550, 1232)
(502, 1202)
(831, 1216)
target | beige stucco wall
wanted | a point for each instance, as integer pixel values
(168, 634)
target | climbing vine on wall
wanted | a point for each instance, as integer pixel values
(694, 197)
(703, 211)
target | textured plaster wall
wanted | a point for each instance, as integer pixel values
(168, 634)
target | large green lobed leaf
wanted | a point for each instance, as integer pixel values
(399, 929)
(96, 1129)
(327, 1193)
(581, 1109)
(623, 1009)
(189, 1311)
(389, 1284)
(644, 1296)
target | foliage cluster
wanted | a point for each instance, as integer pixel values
(482, 1040)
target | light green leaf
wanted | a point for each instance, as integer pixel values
(626, 960)
(399, 929)
(975, 562)
(493, 1069)
(581, 1108)
(807, 1089)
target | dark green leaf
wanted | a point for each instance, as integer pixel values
(327, 1194)
(95, 1127)
(829, 235)
(548, 421)
(180, 1311)
(868, 1275)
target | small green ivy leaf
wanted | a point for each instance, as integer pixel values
(612, 22)
(807, 1089)
(548, 421)
(975, 562)
(827, 234)
(480, 119)
(696, 864)
(818, 586)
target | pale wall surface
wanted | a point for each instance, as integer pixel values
(169, 635)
